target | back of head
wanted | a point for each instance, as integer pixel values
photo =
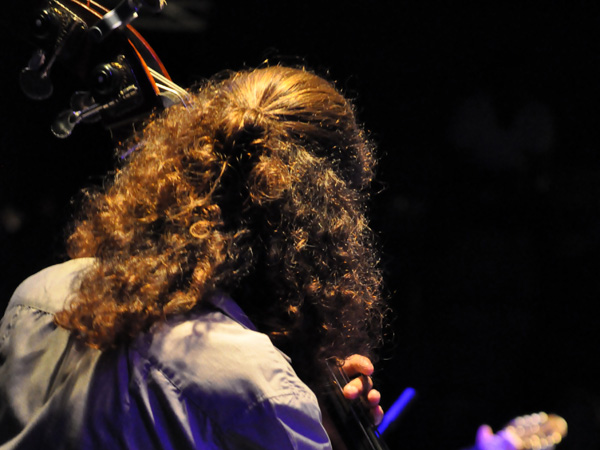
(294, 106)
(258, 189)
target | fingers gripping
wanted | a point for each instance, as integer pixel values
(362, 385)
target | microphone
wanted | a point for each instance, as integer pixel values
(123, 14)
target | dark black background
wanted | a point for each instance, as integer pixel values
(488, 212)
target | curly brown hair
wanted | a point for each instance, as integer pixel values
(257, 188)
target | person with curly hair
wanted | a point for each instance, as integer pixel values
(232, 245)
(213, 281)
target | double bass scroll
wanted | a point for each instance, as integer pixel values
(115, 77)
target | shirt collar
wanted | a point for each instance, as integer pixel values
(230, 308)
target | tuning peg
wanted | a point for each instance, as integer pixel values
(83, 109)
(45, 24)
(34, 80)
(54, 28)
(67, 120)
(82, 101)
(65, 123)
(107, 79)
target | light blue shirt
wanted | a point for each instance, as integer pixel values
(206, 380)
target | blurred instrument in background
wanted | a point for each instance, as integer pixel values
(111, 73)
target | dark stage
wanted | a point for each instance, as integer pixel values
(486, 116)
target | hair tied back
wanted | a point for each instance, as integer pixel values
(241, 128)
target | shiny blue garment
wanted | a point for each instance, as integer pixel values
(207, 380)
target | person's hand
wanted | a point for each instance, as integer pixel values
(362, 385)
(503, 440)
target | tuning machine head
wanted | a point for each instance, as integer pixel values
(121, 75)
(34, 80)
(107, 79)
(46, 24)
(58, 33)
